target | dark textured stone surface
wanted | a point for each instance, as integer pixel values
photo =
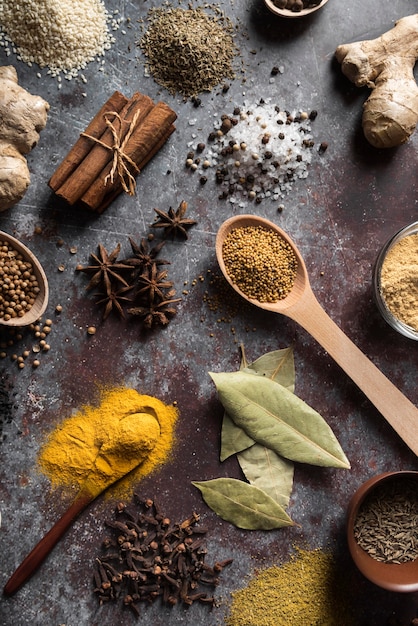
(354, 198)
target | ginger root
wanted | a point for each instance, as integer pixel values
(22, 117)
(386, 65)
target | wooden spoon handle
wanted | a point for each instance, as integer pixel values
(45, 545)
(401, 414)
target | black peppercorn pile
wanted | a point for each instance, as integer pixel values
(148, 557)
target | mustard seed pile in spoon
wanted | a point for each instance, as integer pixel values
(260, 262)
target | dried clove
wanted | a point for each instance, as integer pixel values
(149, 557)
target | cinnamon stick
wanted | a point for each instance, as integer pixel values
(146, 139)
(101, 154)
(82, 146)
(117, 189)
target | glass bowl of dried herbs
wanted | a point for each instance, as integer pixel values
(382, 532)
(395, 281)
(24, 289)
(294, 8)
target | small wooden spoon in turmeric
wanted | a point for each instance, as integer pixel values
(104, 473)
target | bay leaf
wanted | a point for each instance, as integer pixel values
(242, 504)
(233, 438)
(268, 471)
(278, 365)
(273, 416)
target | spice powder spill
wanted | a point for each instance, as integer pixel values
(260, 262)
(187, 50)
(126, 423)
(399, 280)
(386, 524)
(305, 591)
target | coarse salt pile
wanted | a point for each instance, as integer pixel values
(63, 36)
(258, 152)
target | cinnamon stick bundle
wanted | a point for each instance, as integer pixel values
(112, 151)
(82, 146)
(144, 142)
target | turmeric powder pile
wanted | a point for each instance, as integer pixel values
(126, 435)
(305, 591)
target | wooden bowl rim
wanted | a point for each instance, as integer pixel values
(41, 302)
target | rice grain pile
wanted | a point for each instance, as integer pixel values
(61, 35)
(258, 152)
(188, 51)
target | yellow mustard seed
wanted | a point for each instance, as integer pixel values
(260, 262)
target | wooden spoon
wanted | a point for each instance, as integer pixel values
(302, 306)
(89, 491)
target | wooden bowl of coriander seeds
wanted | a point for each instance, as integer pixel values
(395, 281)
(381, 530)
(23, 284)
(294, 8)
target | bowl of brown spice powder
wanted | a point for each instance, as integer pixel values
(23, 284)
(294, 8)
(395, 281)
(382, 532)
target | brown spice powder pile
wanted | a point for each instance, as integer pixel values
(187, 50)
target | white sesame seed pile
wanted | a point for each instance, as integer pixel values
(63, 36)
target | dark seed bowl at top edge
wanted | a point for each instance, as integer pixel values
(293, 14)
(397, 577)
(384, 310)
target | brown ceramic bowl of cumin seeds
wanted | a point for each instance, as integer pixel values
(382, 530)
(294, 8)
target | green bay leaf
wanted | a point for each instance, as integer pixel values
(268, 471)
(242, 504)
(278, 365)
(233, 438)
(276, 418)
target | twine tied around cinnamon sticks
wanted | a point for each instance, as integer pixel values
(119, 157)
(114, 148)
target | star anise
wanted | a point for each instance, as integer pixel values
(113, 301)
(157, 313)
(144, 256)
(105, 268)
(173, 222)
(153, 283)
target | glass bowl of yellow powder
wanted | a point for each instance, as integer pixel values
(395, 281)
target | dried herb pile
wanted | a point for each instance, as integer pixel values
(189, 51)
(147, 557)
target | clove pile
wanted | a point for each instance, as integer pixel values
(146, 557)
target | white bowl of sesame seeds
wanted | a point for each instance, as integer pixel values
(294, 8)
(23, 284)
